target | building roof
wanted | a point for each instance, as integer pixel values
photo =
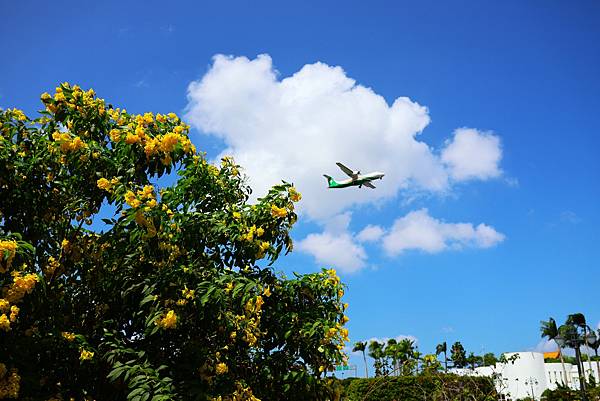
(552, 355)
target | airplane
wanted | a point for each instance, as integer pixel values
(356, 179)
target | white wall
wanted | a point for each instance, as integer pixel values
(529, 374)
(526, 377)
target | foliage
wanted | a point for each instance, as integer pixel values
(376, 352)
(458, 355)
(169, 302)
(442, 348)
(489, 359)
(394, 357)
(362, 346)
(566, 394)
(421, 387)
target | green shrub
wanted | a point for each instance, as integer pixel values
(418, 388)
(566, 394)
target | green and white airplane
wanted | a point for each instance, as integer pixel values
(356, 179)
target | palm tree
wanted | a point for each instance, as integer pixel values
(472, 360)
(578, 319)
(550, 330)
(417, 357)
(569, 331)
(376, 352)
(405, 353)
(595, 347)
(458, 355)
(438, 350)
(391, 351)
(361, 346)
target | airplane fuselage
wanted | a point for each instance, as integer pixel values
(358, 181)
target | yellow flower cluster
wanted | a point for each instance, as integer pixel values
(254, 306)
(105, 184)
(7, 247)
(85, 355)
(51, 267)
(295, 196)
(18, 114)
(278, 211)
(10, 382)
(337, 332)
(213, 170)
(251, 320)
(172, 250)
(249, 236)
(73, 98)
(187, 293)
(333, 278)
(68, 336)
(145, 194)
(21, 285)
(242, 393)
(13, 294)
(68, 143)
(228, 162)
(168, 321)
(137, 132)
(262, 249)
(14, 312)
(132, 130)
(132, 200)
(221, 368)
(4, 322)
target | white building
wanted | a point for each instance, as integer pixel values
(529, 376)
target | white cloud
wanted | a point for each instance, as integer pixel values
(335, 246)
(569, 216)
(546, 346)
(473, 154)
(338, 247)
(370, 233)
(418, 230)
(297, 127)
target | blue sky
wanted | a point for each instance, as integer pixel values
(524, 73)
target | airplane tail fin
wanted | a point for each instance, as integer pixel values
(330, 181)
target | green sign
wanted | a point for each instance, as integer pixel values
(342, 367)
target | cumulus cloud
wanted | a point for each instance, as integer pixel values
(295, 128)
(472, 154)
(545, 346)
(370, 233)
(335, 246)
(418, 230)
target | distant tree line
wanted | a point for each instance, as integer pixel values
(402, 358)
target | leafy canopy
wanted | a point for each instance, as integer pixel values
(170, 300)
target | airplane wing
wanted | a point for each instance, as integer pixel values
(346, 170)
(368, 184)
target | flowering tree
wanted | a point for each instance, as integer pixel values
(167, 301)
